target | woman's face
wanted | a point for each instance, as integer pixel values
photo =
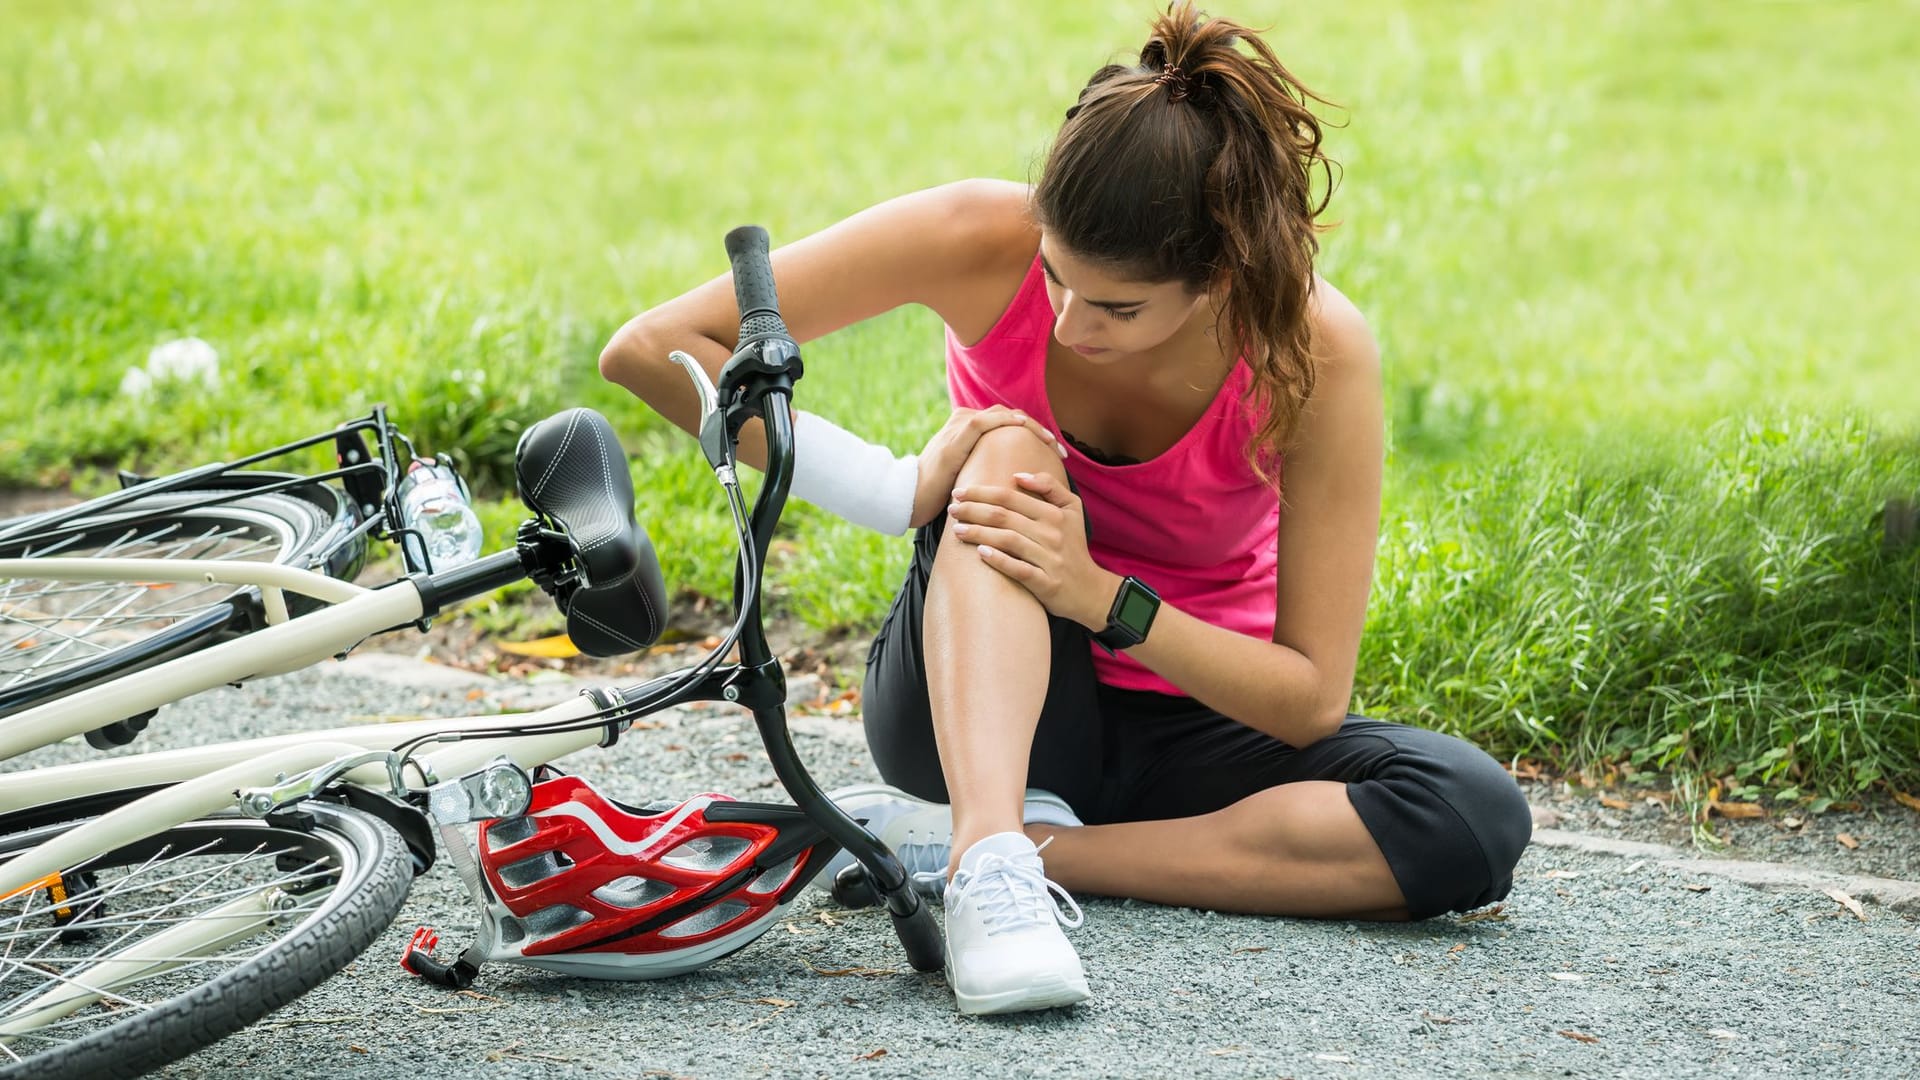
(1102, 317)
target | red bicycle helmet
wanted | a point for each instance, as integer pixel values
(587, 886)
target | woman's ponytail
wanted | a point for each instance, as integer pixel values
(1197, 165)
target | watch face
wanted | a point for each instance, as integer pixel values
(1136, 610)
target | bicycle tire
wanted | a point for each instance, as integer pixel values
(371, 872)
(56, 638)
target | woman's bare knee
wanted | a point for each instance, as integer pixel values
(1004, 451)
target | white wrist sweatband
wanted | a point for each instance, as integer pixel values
(837, 470)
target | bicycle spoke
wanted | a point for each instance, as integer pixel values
(173, 886)
(49, 625)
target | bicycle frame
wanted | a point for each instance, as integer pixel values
(274, 772)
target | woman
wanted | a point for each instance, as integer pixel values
(1153, 302)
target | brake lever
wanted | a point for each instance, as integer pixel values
(713, 431)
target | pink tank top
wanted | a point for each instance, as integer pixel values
(1195, 523)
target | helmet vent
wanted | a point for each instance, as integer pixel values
(557, 919)
(519, 875)
(773, 878)
(631, 892)
(509, 831)
(700, 922)
(706, 853)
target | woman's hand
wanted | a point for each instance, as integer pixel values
(1036, 534)
(948, 450)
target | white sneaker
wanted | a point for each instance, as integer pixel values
(921, 832)
(1005, 949)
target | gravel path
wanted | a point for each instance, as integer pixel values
(1596, 965)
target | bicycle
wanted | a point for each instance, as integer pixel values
(63, 629)
(331, 825)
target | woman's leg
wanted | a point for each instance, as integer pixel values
(1297, 849)
(1376, 821)
(988, 654)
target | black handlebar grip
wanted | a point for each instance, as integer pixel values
(753, 283)
(920, 936)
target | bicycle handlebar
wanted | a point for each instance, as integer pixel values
(753, 284)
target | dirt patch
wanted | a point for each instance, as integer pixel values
(18, 502)
(1872, 834)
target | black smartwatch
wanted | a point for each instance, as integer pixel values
(1130, 617)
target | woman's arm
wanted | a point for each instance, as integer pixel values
(1297, 687)
(959, 249)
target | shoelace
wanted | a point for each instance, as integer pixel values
(925, 860)
(1024, 894)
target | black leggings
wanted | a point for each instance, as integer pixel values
(1448, 818)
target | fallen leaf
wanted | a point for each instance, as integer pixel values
(1847, 841)
(1793, 821)
(1847, 902)
(1579, 1036)
(1906, 800)
(778, 1003)
(1615, 804)
(1462, 947)
(25, 643)
(880, 1053)
(736, 756)
(1496, 913)
(1699, 888)
(476, 694)
(557, 647)
(1552, 875)
(358, 1049)
(1524, 770)
(1738, 809)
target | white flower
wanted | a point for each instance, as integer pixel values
(136, 383)
(185, 360)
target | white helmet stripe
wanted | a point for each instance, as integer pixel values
(614, 843)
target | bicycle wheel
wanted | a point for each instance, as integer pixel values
(60, 636)
(150, 952)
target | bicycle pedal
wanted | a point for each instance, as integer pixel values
(423, 943)
(418, 960)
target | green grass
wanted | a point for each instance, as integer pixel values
(1642, 273)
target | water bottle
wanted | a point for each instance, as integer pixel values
(434, 503)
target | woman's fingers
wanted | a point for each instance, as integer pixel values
(997, 416)
(1024, 573)
(1045, 486)
(1009, 499)
(1009, 541)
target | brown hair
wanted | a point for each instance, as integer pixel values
(1196, 165)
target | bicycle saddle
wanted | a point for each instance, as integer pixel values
(571, 471)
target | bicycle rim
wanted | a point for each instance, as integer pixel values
(59, 636)
(98, 977)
